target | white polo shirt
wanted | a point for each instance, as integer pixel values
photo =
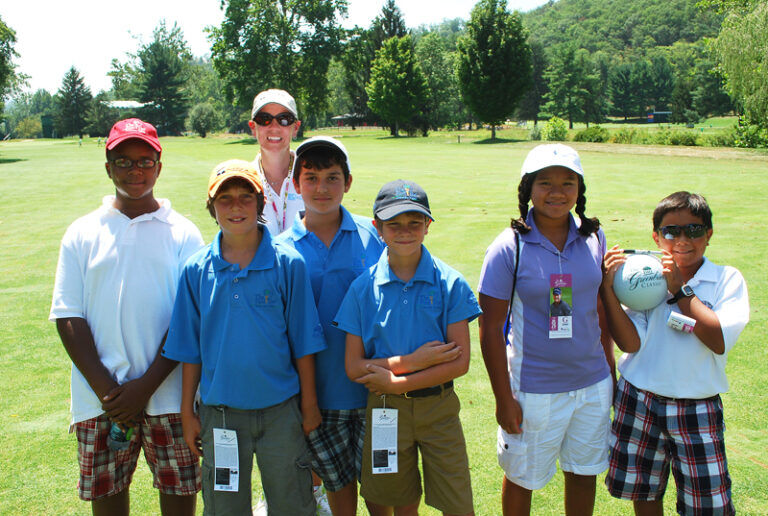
(677, 364)
(121, 275)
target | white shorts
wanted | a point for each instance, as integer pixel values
(570, 426)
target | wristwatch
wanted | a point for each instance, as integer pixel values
(685, 291)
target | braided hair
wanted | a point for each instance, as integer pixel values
(588, 225)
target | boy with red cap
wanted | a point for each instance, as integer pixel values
(115, 288)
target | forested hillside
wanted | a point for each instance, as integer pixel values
(620, 25)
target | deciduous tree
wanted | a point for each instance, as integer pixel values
(742, 50)
(494, 62)
(443, 105)
(284, 44)
(359, 52)
(100, 116)
(397, 90)
(203, 119)
(8, 76)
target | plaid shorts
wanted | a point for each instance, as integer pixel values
(337, 447)
(105, 472)
(651, 434)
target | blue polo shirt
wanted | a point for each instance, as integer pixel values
(245, 326)
(394, 318)
(538, 363)
(355, 247)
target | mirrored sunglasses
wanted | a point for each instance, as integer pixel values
(283, 119)
(691, 231)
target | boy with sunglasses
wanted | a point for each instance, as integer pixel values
(667, 411)
(115, 288)
(274, 123)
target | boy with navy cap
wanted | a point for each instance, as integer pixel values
(115, 288)
(406, 307)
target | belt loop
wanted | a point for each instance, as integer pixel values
(223, 416)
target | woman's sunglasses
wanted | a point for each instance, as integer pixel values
(283, 119)
(691, 231)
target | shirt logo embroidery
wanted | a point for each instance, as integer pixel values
(264, 298)
(428, 300)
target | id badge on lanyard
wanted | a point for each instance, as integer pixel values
(560, 306)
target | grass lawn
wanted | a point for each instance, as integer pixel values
(472, 189)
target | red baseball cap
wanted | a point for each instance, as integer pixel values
(133, 129)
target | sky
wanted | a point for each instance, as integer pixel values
(53, 35)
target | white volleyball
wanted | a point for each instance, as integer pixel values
(639, 283)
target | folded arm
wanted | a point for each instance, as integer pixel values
(446, 362)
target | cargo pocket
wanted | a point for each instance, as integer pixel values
(304, 465)
(512, 451)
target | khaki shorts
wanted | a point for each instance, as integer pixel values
(429, 426)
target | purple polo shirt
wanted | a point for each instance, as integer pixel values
(537, 363)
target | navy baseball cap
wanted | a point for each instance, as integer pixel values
(398, 197)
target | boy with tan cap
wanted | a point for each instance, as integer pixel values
(246, 328)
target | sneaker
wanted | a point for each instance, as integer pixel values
(321, 499)
(261, 507)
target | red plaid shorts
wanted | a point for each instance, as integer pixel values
(105, 472)
(652, 435)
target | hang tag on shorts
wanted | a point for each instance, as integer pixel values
(560, 306)
(384, 440)
(225, 460)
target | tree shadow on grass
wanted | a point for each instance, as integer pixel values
(401, 137)
(244, 141)
(3, 161)
(490, 141)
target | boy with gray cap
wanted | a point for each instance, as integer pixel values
(410, 301)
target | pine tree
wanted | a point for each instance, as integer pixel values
(162, 77)
(73, 102)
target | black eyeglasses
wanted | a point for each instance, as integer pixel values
(284, 119)
(691, 231)
(126, 163)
